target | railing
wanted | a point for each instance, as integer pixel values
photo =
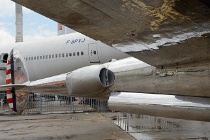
(42, 104)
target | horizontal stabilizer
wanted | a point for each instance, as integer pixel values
(15, 86)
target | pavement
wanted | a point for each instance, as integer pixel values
(75, 126)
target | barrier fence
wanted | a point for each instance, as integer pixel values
(39, 103)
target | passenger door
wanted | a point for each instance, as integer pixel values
(93, 53)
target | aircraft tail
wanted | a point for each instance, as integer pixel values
(17, 74)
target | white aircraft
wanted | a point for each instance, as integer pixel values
(57, 55)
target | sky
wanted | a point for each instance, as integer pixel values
(35, 26)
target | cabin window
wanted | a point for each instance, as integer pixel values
(66, 54)
(77, 53)
(34, 57)
(94, 52)
(74, 54)
(63, 55)
(46, 56)
(43, 56)
(37, 57)
(56, 55)
(52, 55)
(82, 53)
(40, 57)
(59, 55)
(70, 54)
(26, 58)
(49, 56)
(31, 58)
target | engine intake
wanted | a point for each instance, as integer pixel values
(91, 81)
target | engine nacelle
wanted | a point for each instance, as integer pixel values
(91, 81)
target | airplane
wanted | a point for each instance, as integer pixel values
(60, 54)
(57, 55)
(171, 37)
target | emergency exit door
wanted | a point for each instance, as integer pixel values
(93, 53)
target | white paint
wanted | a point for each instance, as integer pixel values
(140, 46)
(11, 105)
(9, 95)
(8, 76)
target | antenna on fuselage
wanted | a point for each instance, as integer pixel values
(19, 23)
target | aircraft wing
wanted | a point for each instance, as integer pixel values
(162, 33)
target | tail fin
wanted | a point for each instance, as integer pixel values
(16, 73)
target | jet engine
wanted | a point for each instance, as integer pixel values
(92, 81)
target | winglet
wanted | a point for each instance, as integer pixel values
(16, 73)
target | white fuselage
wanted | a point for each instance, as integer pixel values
(61, 54)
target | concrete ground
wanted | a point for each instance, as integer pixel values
(78, 126)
